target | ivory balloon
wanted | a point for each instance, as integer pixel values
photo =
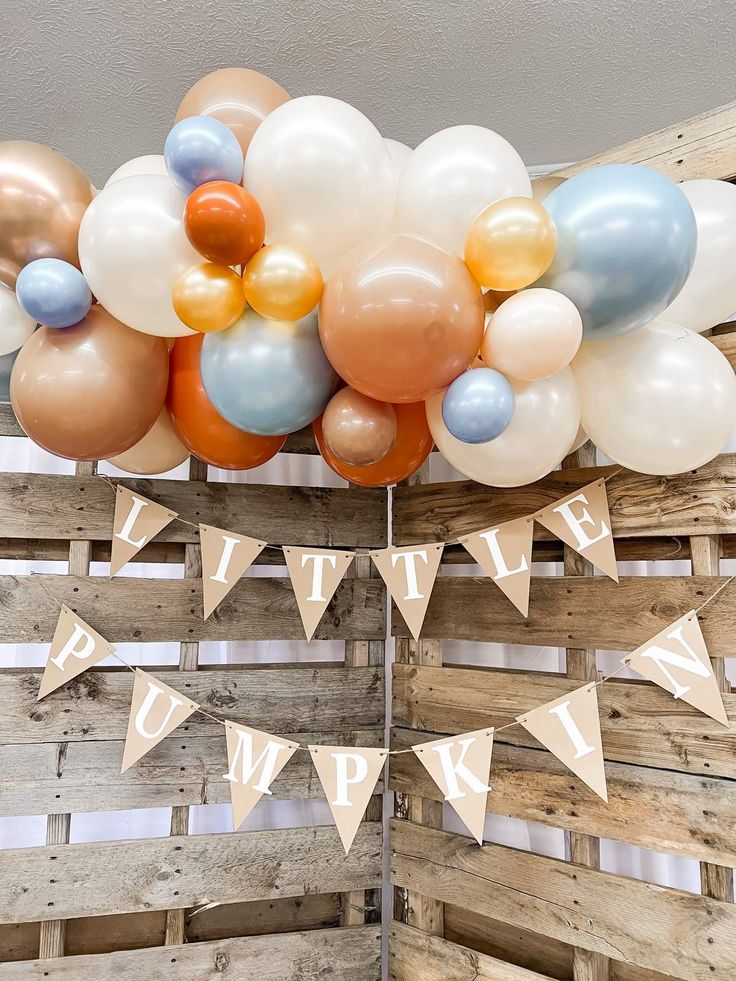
(357, 430)
(451, 177)
(532, 335)
(399, 153)
(546, 419)
(208, 298)
(580, 440)
(660, 401)
(159, 451)
(15, 324)
(282, 282)
(510, 244)
(133, 249)
(149, 164)
(322, 175)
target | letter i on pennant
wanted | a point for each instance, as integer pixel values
(504, 553)
(254, 760)
(348, 778)
(582, 521)
(409, 574)
(315, 575)
(155, 711)
(74, 648)
(225, 558)
(137, 520)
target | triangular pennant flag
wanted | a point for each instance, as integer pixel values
(225, 557)
(348, 778)
(677, 660)
(74, 648)
(315, 575)
(460, 766)
(155, 711)
(581, 520)
(137, 520)
(254, 760)
(504, 552)
(570, 728)
(409, 574)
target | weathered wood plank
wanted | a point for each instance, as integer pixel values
(662, 929)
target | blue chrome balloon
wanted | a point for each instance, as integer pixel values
(53, 292)
(626, 244)
(267, 377)
(201, 149)
(478, 405)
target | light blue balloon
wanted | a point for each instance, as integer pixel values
(201, 149)
(626, 244)
(53, 292)
(478, 405)
(267, 377)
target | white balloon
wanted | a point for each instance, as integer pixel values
(151, 163)
(399, 153)
(709, 294)
(451, 177)
(546, 419)
(660, 400)
(15, 324)
(133, 248)
(322, 175)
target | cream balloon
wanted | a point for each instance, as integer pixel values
(322, 175)
(546, 419)
(399, 153)
(451, 177)
(581, 438)
(709, 294)
(133, 248)
(151, 163)
(532, 335)
(159, 451)
(660, 400)
(15, 324)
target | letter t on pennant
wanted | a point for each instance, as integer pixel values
(409, 574)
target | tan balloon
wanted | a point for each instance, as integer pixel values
(43, 196)
(543, 186)
(533, 335)
(358, 430)
(159, 451)
(91, 391)
(511, 244)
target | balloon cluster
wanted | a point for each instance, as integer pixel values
(281, 264)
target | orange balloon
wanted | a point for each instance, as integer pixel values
(282, 282)
(224, 223)
(411, 448)
(208, 298)
(203, 430)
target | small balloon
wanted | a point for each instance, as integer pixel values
(53, 292)
(224, 223)
(159, 451)
(357, 430)
(510, 244)
(15, 324)
(282, 282)
(208, 298)
(151, 163)
(478, 406)
(201, 149)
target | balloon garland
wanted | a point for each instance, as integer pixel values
(281, 264)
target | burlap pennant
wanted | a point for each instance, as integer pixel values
(570, 728)
(677, 660)
(460, 766)
(254, 760)
(225, 557)
(409, 574)
(504, 552)
(315, 575)
(155, 711)
(581, 520)
(137, 520)
(348, 778)
(74, 648)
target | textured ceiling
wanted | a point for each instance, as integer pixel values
(101, 79)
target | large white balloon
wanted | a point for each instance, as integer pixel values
(15, 324)
(399, 153)
(546, 420)
(709, 294)
(133, 248)
(451, 177)
(322, 175)
(151, 163)
(661, 400)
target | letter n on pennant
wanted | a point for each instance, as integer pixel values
(582, 521)
(254, 760)
(155, 711)
(409, 574)
(348, 778)
(137, 520)
(315, 575)
(74, 648)
(225, 557)
(504, 553)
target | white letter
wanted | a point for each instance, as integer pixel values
(454, 770)
(563, 714)
(124, 533)
(87, 649)
(410, 570)
(319, 561)
(248, 767)
(693, 664)
(227, 554)
(575, 524)
(342, 779)
(502, 570)
(146, 706)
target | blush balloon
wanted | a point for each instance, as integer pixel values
(358, 430)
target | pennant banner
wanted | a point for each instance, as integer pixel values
(409, 574)
(75, 647)
(315, 575)
(460, 766)
(156, 710)
(581, 520)
(504, 553)
(137, 520)
(254, 760)
(225, 557)
(348, 778)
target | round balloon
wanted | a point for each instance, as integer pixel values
(201, 149)
(626, 244)
(510, 244)
(53, 292)
(268, 377)
(546, 419)
(91, 391)
(660, 401)
(159, 451)
(15, 324)
(411, 448)
(238, 97)
(478, 406)
(322, 175)
(399, 153)
(282, 282)
(400, 318)
(133, 249)
(451, 177)
(357, 430)
(151, 163)
(200, 427)
(224, 223)
(208, 298)
(43, 196)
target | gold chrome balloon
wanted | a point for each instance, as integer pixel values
(511, 244)
(208, 298)
(282, 282)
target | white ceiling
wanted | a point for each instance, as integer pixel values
(561, 79)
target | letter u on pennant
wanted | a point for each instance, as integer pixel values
(582, 521)
(155, 711)
(409, 574)
(74, 648)
(137, 520)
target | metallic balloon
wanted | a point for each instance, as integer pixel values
(15, 324)
(478, 406)
(200, 149)
(626, 244)
(224, 223)
(268, 377)
(208, 298)
(53, 292)
(357, 430)
(282, 282)
(91, 391)
(43, 196)
(510, 244)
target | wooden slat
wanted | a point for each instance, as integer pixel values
(662, 929)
